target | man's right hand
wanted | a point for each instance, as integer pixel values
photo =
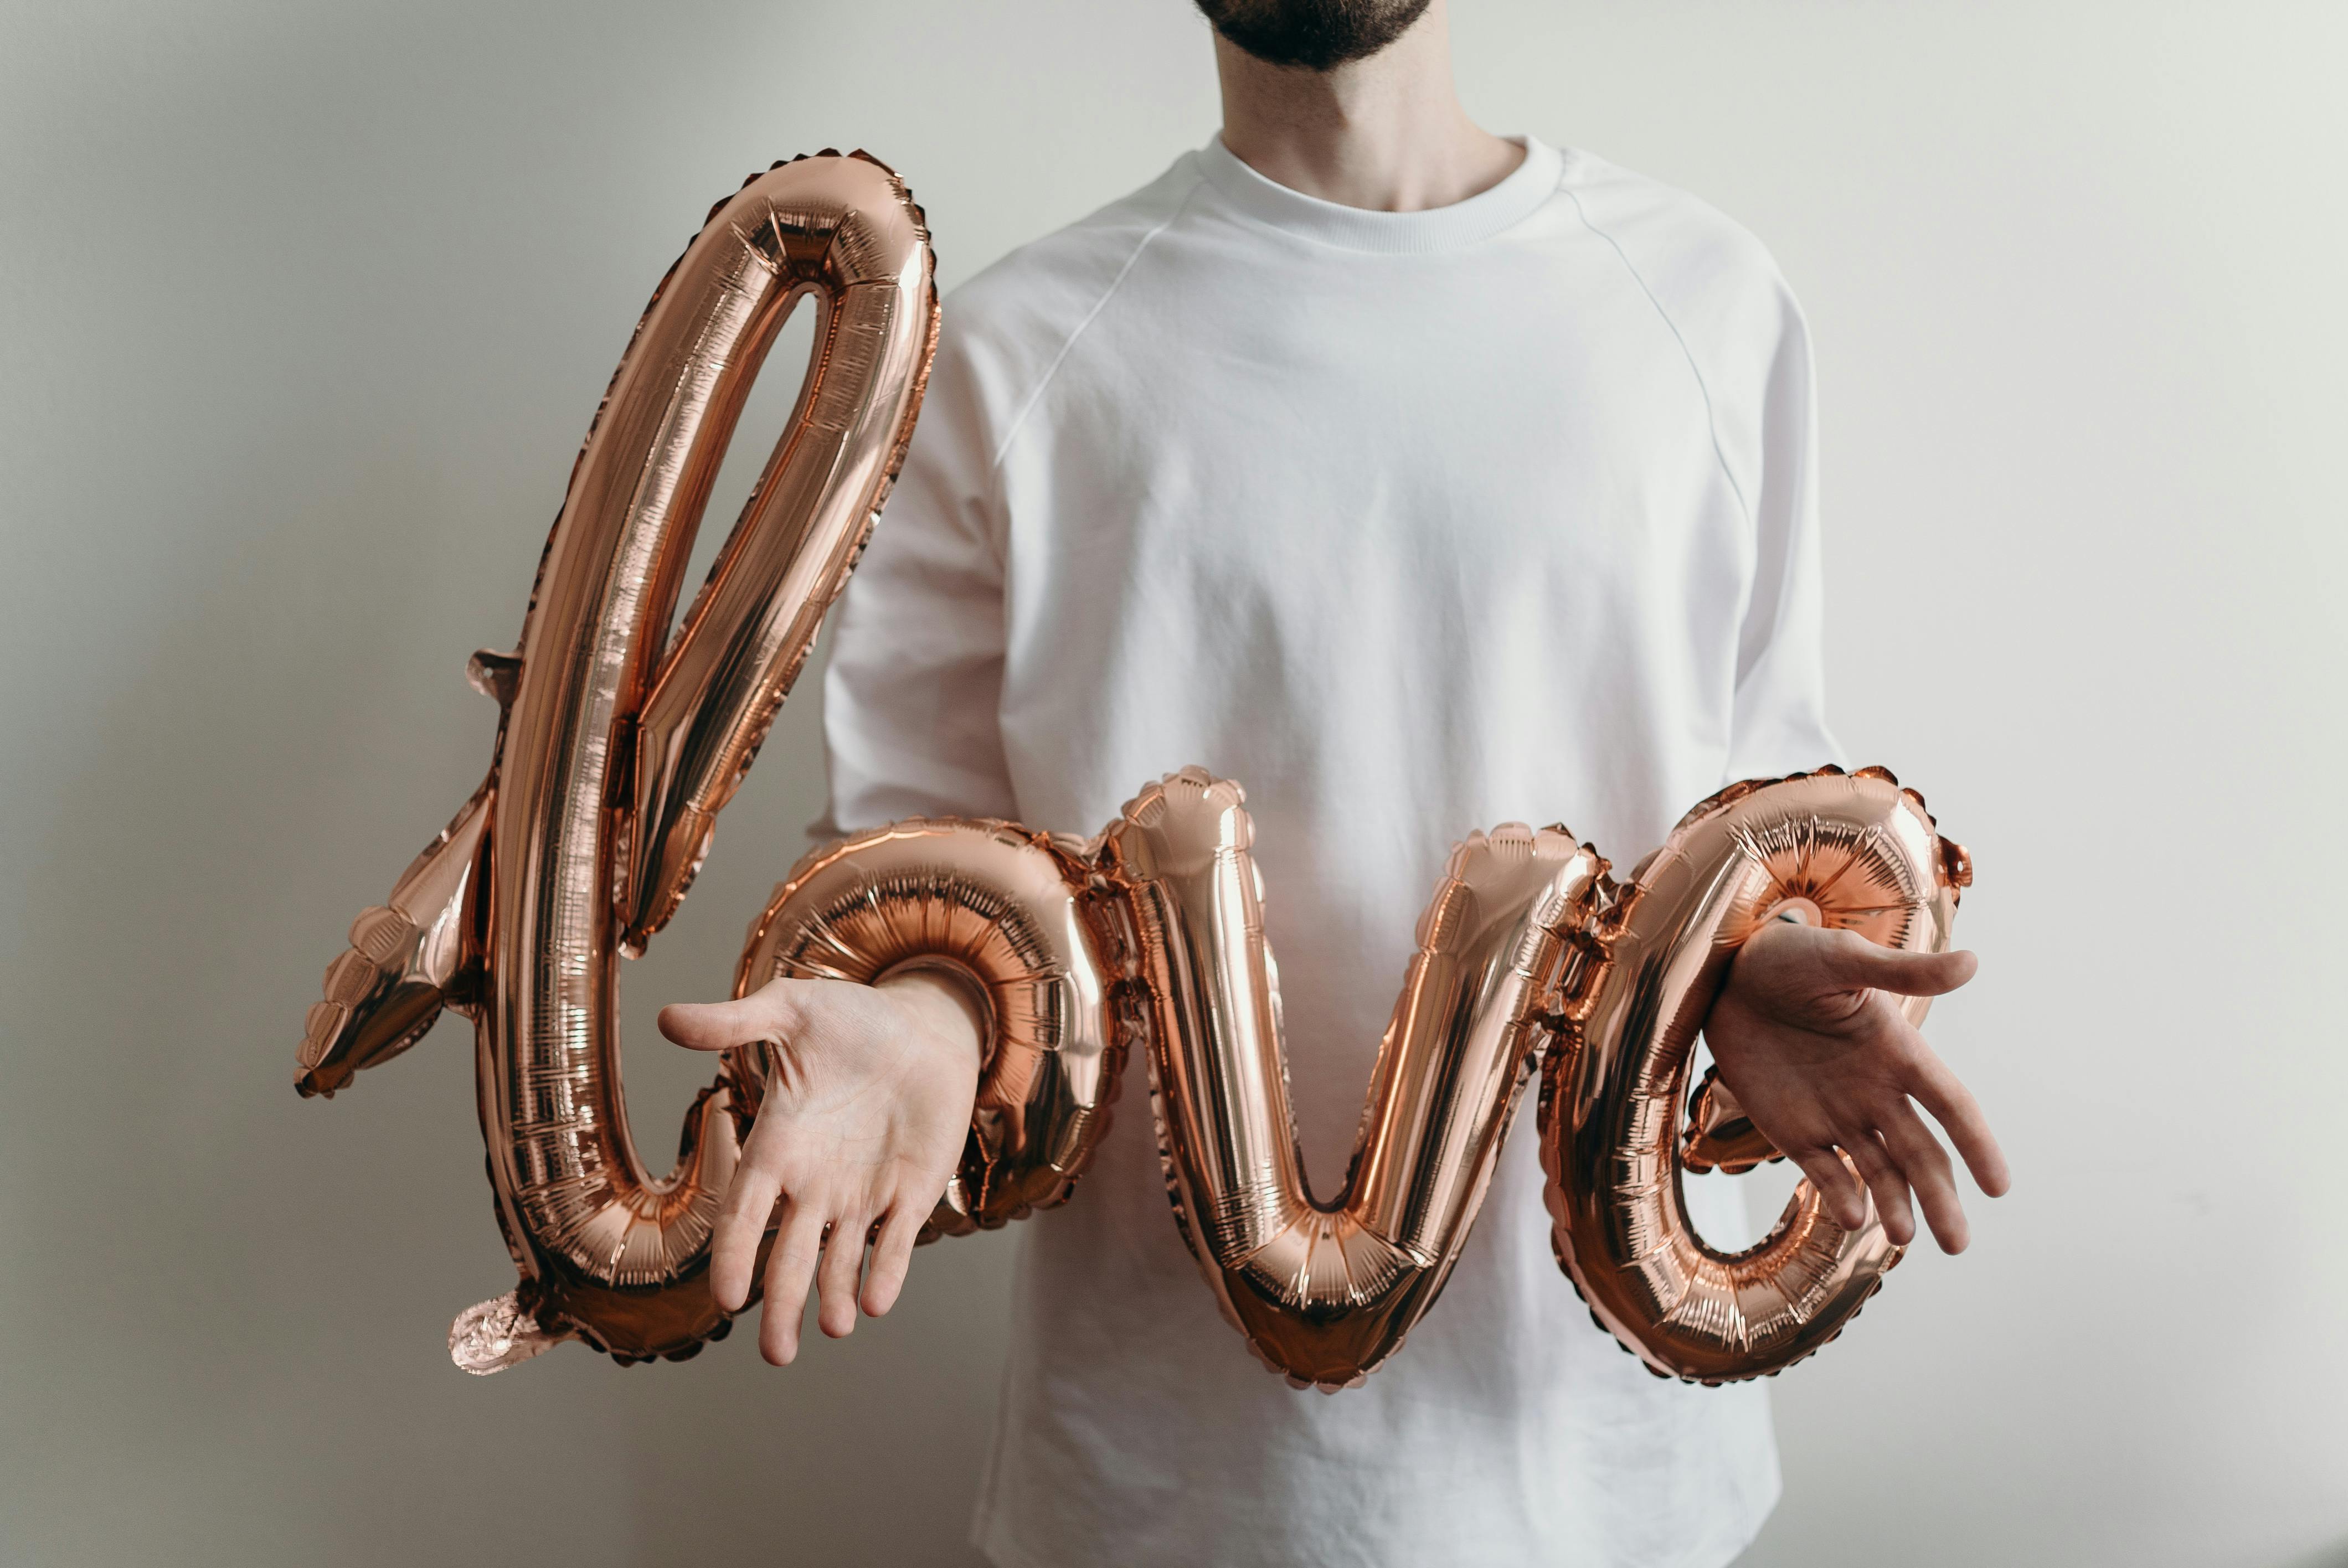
(861, 1126)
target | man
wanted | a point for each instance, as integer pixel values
(1420, 480)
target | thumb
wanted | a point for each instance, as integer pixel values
(1860, 962)
(722, 1026)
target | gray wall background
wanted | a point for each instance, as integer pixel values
(304, 309)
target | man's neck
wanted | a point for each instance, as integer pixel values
(1388, 133)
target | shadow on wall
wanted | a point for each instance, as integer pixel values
(2333, 1556)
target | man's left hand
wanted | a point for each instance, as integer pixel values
(1809, 1038)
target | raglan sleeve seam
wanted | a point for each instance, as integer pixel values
(1687, 352)
(1043, 384)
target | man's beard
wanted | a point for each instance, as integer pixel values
(1314, 34)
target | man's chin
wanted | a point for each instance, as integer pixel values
(1313, 35)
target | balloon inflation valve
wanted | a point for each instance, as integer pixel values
(495, 1335)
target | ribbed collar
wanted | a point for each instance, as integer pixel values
(1478, 218)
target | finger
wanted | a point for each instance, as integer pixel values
(1838, 1189)
(797, 1249)
(843, 1263)
(767, 1013)
(1883, 1179)
(741, 1227)
(1926, 1166)
(892, 1256)
(1952, 1105)
(1857, 962)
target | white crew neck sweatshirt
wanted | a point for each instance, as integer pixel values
(1414, 524)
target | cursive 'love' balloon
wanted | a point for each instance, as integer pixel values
(614, 756)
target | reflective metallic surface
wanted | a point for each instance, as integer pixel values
(1153, 935)
(409, 959)
(1853, 851)
(617, 748)
(1720, 1136)
(615, 754)
(1325, 1292)
(827, 229)
(1023, 922)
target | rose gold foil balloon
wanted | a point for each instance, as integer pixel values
(1153, 935)
(1038, 940)
(1325, 1291)
(1851, 851)
(1156, 934)
(615, 753)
